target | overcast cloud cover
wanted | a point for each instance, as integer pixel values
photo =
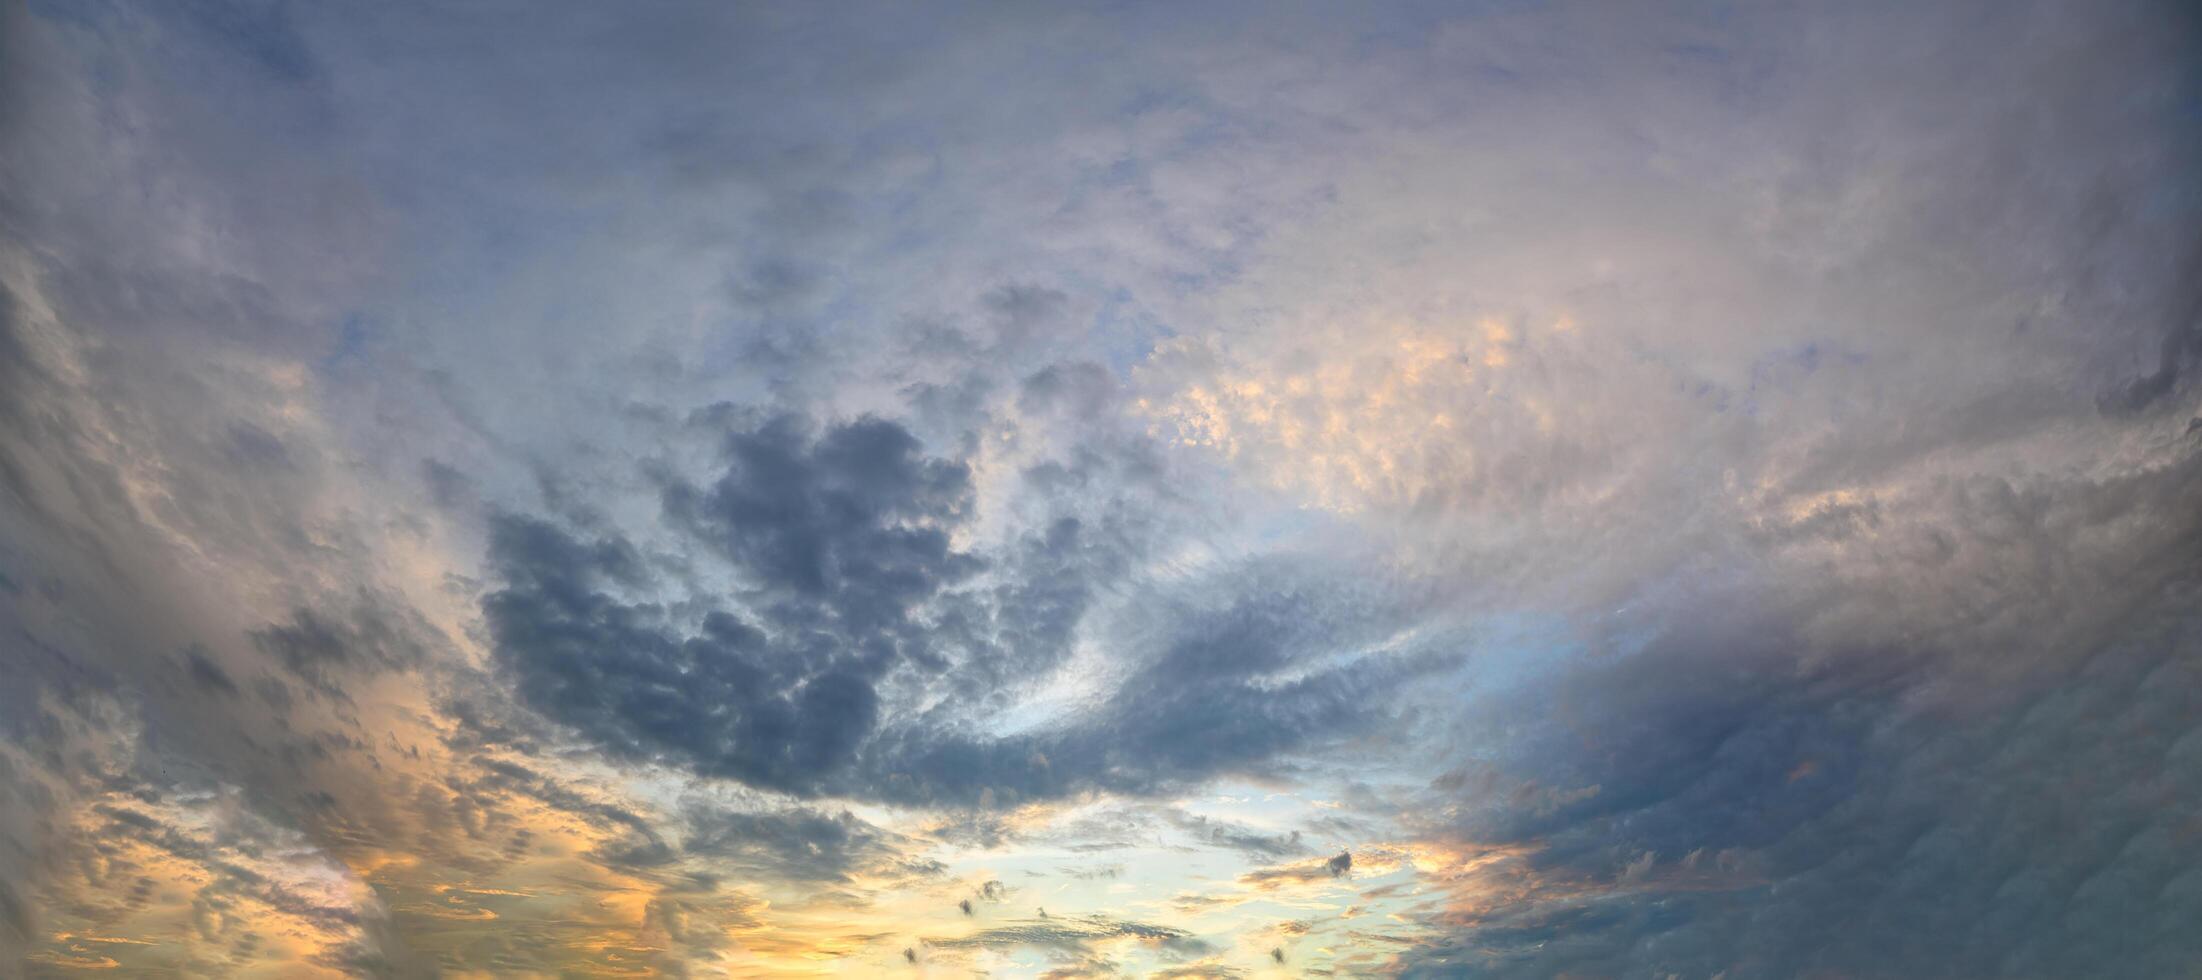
(1440, 490)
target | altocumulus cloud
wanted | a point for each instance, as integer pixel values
(837, 540)
(844, 585)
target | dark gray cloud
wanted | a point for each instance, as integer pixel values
(205, 673)
(1335, 866)
(840, 544)
(1718, 801)
(1074, 935)
(837, 540)
(1223, 833)
(2182, 345)
(623, 677)
(1283, 660)
(325, 651)
(795, 844)
(852, 523)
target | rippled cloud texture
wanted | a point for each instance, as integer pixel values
(1469, 489)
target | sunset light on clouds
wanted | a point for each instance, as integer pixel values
(1510, 489)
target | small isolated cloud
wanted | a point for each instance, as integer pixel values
(1079, 935)
(1304, 872)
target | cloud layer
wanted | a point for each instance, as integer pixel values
(1510, 490)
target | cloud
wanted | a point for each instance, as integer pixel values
(1678, 490)
(1222, 833)
(2010, 825)
(840, 546)
(638, 844)
(837, 541)
(855, 520)
(792, 845)
(1305, 872)
(322, 652)
(1074, 934)
(233, 877)
(205, 673)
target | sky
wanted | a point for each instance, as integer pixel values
(1470, 489)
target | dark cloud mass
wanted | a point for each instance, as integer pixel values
(845, 576)
(837, 541)
(1867, 811)
(726, 699)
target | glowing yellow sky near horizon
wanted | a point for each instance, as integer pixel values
(200, 882)
(206, 901)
